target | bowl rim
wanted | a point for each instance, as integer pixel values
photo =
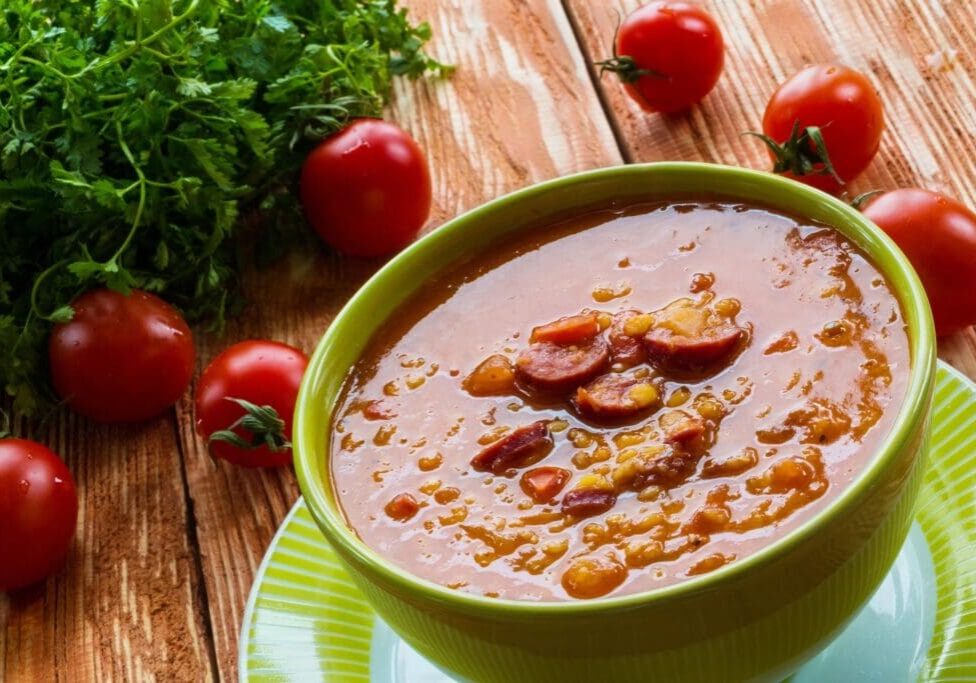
(893, 264)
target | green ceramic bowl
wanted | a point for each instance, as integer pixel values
(757, 619)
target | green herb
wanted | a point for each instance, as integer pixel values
(135, 134)
(262, 423)
(804, 153)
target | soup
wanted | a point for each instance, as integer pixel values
(619, 401)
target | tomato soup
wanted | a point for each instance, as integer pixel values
(619, 400)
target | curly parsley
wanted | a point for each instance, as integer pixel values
(135, 133)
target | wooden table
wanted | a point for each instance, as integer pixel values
(168, 540)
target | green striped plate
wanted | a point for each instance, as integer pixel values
(306, 621)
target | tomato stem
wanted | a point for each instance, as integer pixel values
(62, 314)
(626, 68)
(624, 65)
(803, 153)
(5, 425)
(262, 422)
(861, 199)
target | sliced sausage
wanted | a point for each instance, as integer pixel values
(688, 335)
(551, 368)
(667, 470)
(588, 502)
(625, 335)
(711, 347)
(616, 395)
(680, 427)
(524, 446)
(573, 329)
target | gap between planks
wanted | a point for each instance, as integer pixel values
(596, 77)
(202, 596)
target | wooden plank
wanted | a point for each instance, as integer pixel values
(918, 54)
(519, 109)
(128, 604)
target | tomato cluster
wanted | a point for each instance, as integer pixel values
(822, 127)
(129, 357)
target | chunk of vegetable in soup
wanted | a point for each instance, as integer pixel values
(516, 431)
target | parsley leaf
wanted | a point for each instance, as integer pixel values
(134, 136)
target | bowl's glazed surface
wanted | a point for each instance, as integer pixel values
(759, 618)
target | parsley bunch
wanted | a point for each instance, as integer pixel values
(135, 134)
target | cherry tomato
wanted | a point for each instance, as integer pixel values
(121, 358)
(38, 509)
(668, 54)
(938, 234)
(265, 375)
(366, 189)
(835, 103)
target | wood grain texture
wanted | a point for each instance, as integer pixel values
(918, 53)
(127, 606)
(519, 109)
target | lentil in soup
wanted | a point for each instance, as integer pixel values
(619, 401)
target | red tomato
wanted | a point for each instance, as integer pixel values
(265, 374)
(38, 509)
(543, 483)
(121, 358)
(366, 189)
(938, 234)
(842, 106)
(668, 54)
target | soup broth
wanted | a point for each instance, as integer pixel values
(619, 401)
